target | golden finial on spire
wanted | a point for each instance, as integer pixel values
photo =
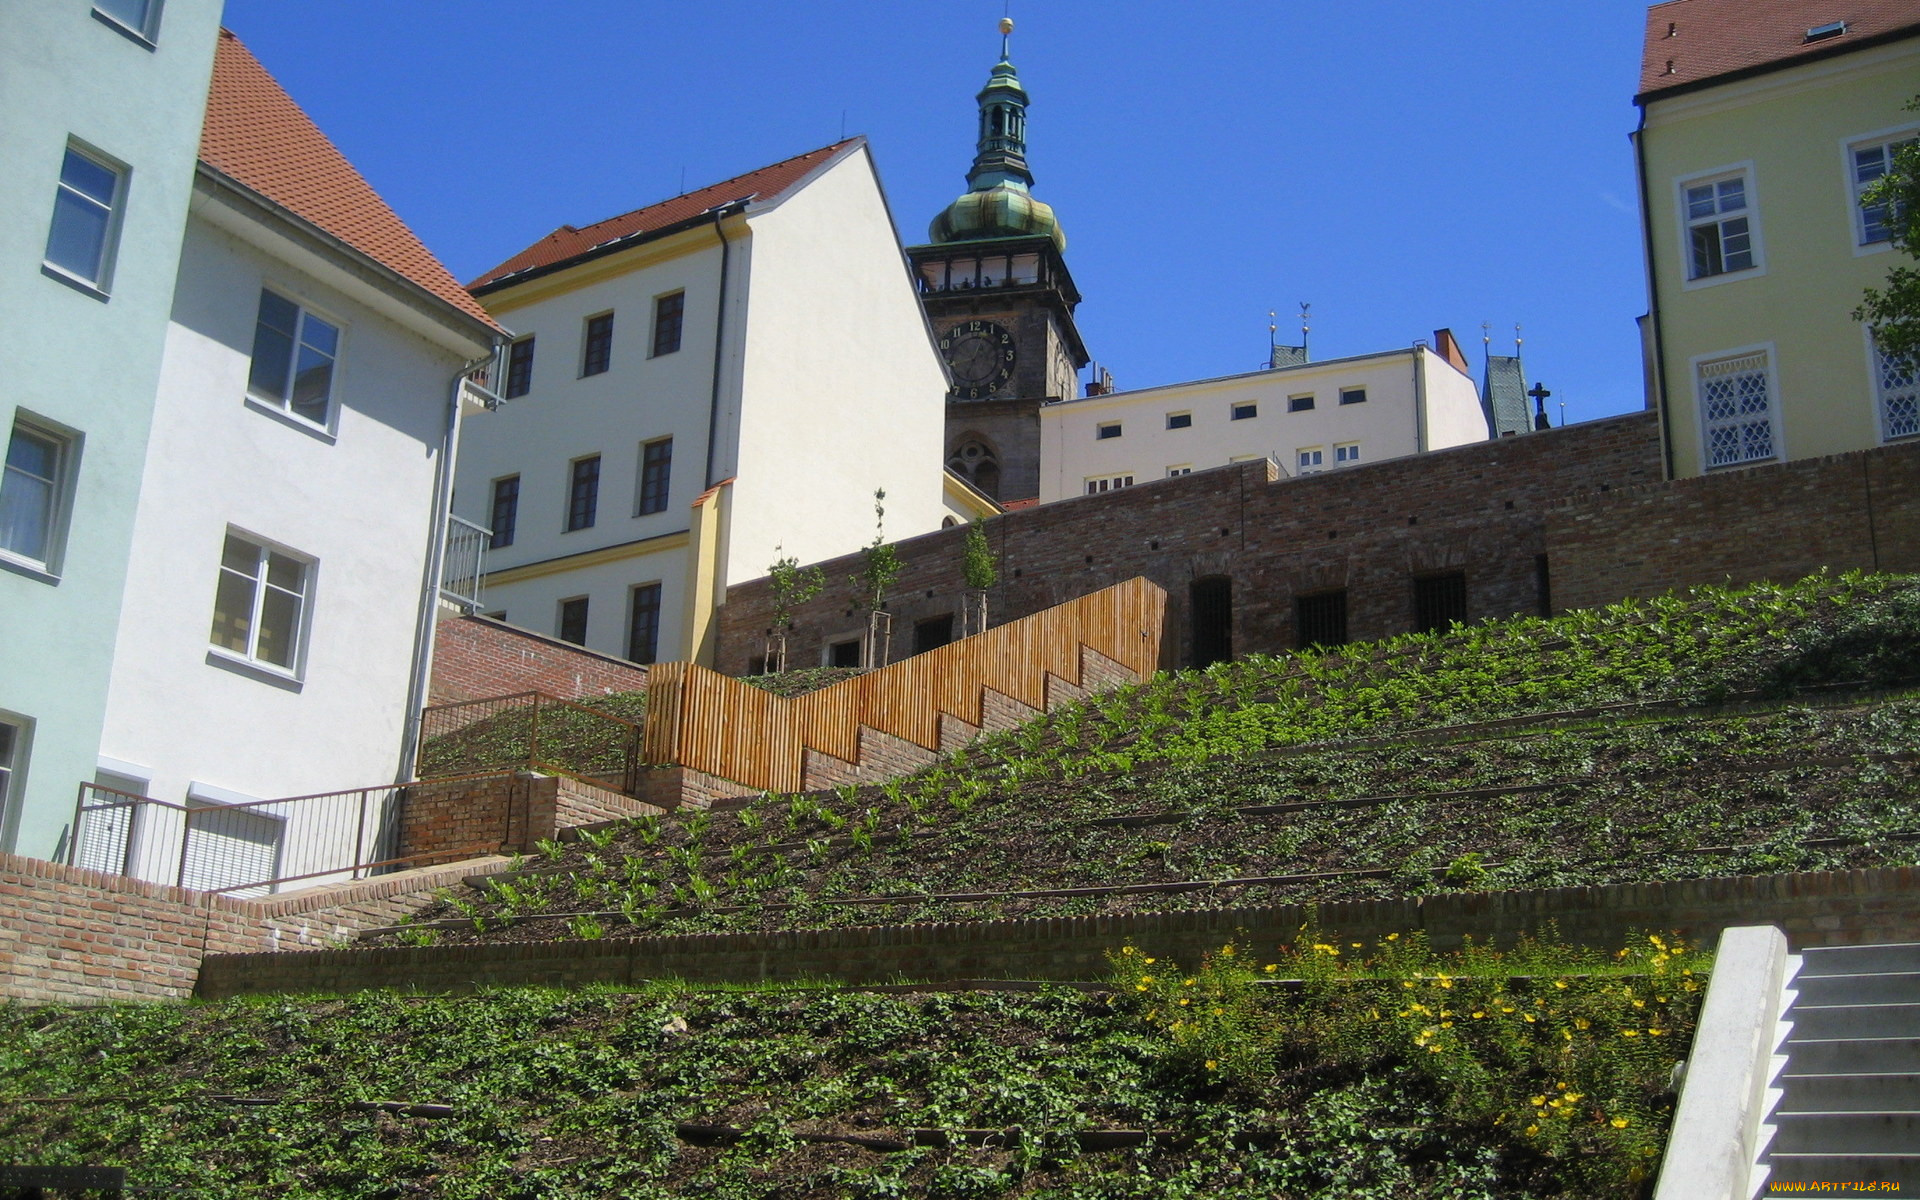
(1006, 26)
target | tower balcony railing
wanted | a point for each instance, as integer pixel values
(464, 566)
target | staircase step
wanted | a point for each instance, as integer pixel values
(1838, 1056)
(1841, 1133)
(1888, 1092)
(1860, 960)
(1882, 987)
(1825, 1021)
(1835, 1168)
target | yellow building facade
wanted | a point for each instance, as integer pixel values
(1759, 130)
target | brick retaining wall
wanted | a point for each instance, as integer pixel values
(475, 658)
(1781, 522)
(1815, 909)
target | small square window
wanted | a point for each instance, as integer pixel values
(1245, 411)
(519, 369)
(583, 493)
(1180, 420)
(932, 633)
(1320, 620)
(667, 313)
(1300, 403)
(294, 353)
(1311, 458)
(1720, 237)
(506, 511)
(643, 624)
(1182, 469)
(656, 469)
(1110, 430)
(260, 603)
(573, 620)
(844, 653)
(1349, 453)
(1869, 161)
(596, 347)
(86, 218)
(141, 18)
(34, 492)
(1353, 395)
(1439, 601)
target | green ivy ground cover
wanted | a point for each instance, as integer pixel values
(1665, 797)
(572, 735)
(1401, 1076)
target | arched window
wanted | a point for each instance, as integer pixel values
(975, 461)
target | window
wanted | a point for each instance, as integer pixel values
(1897, 381)
(932, 633)
(1180, 420)
(1245, 411)
(1299, 403)
(1353, 395)
(667, 312)
(506, 510)
(260, 603)
(1109, 430)
(583, 494)
(1719, 229)
(1736, 410)
(1182, 469)
(1108, 483)
(1869, 162)
(1311, 458)
(1348, 453)
(10, 744)
(230, 845)
(86, 209)
(33, 493)
(1439, 601)
(643, 623)
(844, 654)
(519, 368)
(1320, 620)
(656, 470)
(573, 620)
(596, 348)
(293, 357)
(140, 18)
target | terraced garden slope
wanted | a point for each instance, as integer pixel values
(1593, 748)
(1407, 1076)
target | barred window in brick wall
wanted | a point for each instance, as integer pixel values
(1320, 620)
(1736, 410)
(1439, 601)
(1897, 380)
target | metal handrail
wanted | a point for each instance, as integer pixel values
(464, 564)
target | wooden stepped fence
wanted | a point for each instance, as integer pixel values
(708, 722)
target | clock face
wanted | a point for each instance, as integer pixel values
(981, 357)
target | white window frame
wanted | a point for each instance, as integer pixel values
(13, 770)
(147, 33)
(303, 614)
(1346, 453)
(1252, 408)
(1107, 430)
(1756, 241)
(68, 444)
(1877, 377)
(1705, 426)
(1179, 469)
(100, 283)
(282, 406)
(1304, 465)
(1856, 215)
(1097, 484)
(1302, 402)
(1187, 424)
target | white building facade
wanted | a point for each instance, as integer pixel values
(1313, 416)
(696, 389)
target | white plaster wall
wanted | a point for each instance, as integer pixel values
(360, 504)
(85, 363)
(565, 416)
(535, 603)
(842, 389)
(1385, 426)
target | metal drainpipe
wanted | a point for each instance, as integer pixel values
(719, 333)
(1653, 299)
(424, 622)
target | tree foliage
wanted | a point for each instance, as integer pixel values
(977, 561)
(880, 563)
(1893, 310)
(791, 586)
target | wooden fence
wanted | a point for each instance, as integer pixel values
(709, 722)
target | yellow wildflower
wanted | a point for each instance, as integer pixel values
(1227, 951)
(1126, 949)
(1211, 1064)
(1148, 961)
(1560, 983)
(1532, 1129)
(1629, 1033)
(1539, 1100)
(1580, 1023)
(1272, 967)
(1393, 937)
(1619, 1122)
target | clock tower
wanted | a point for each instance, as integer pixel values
(996, 288)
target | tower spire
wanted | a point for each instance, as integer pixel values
(999, 201)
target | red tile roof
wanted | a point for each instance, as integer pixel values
(1692, 41)
(256, 135)
(566, 243)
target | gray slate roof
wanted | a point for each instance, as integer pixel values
(1503, 396)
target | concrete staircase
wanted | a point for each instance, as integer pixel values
(1844, 1101)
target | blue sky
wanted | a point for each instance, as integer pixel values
(1401, 165)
